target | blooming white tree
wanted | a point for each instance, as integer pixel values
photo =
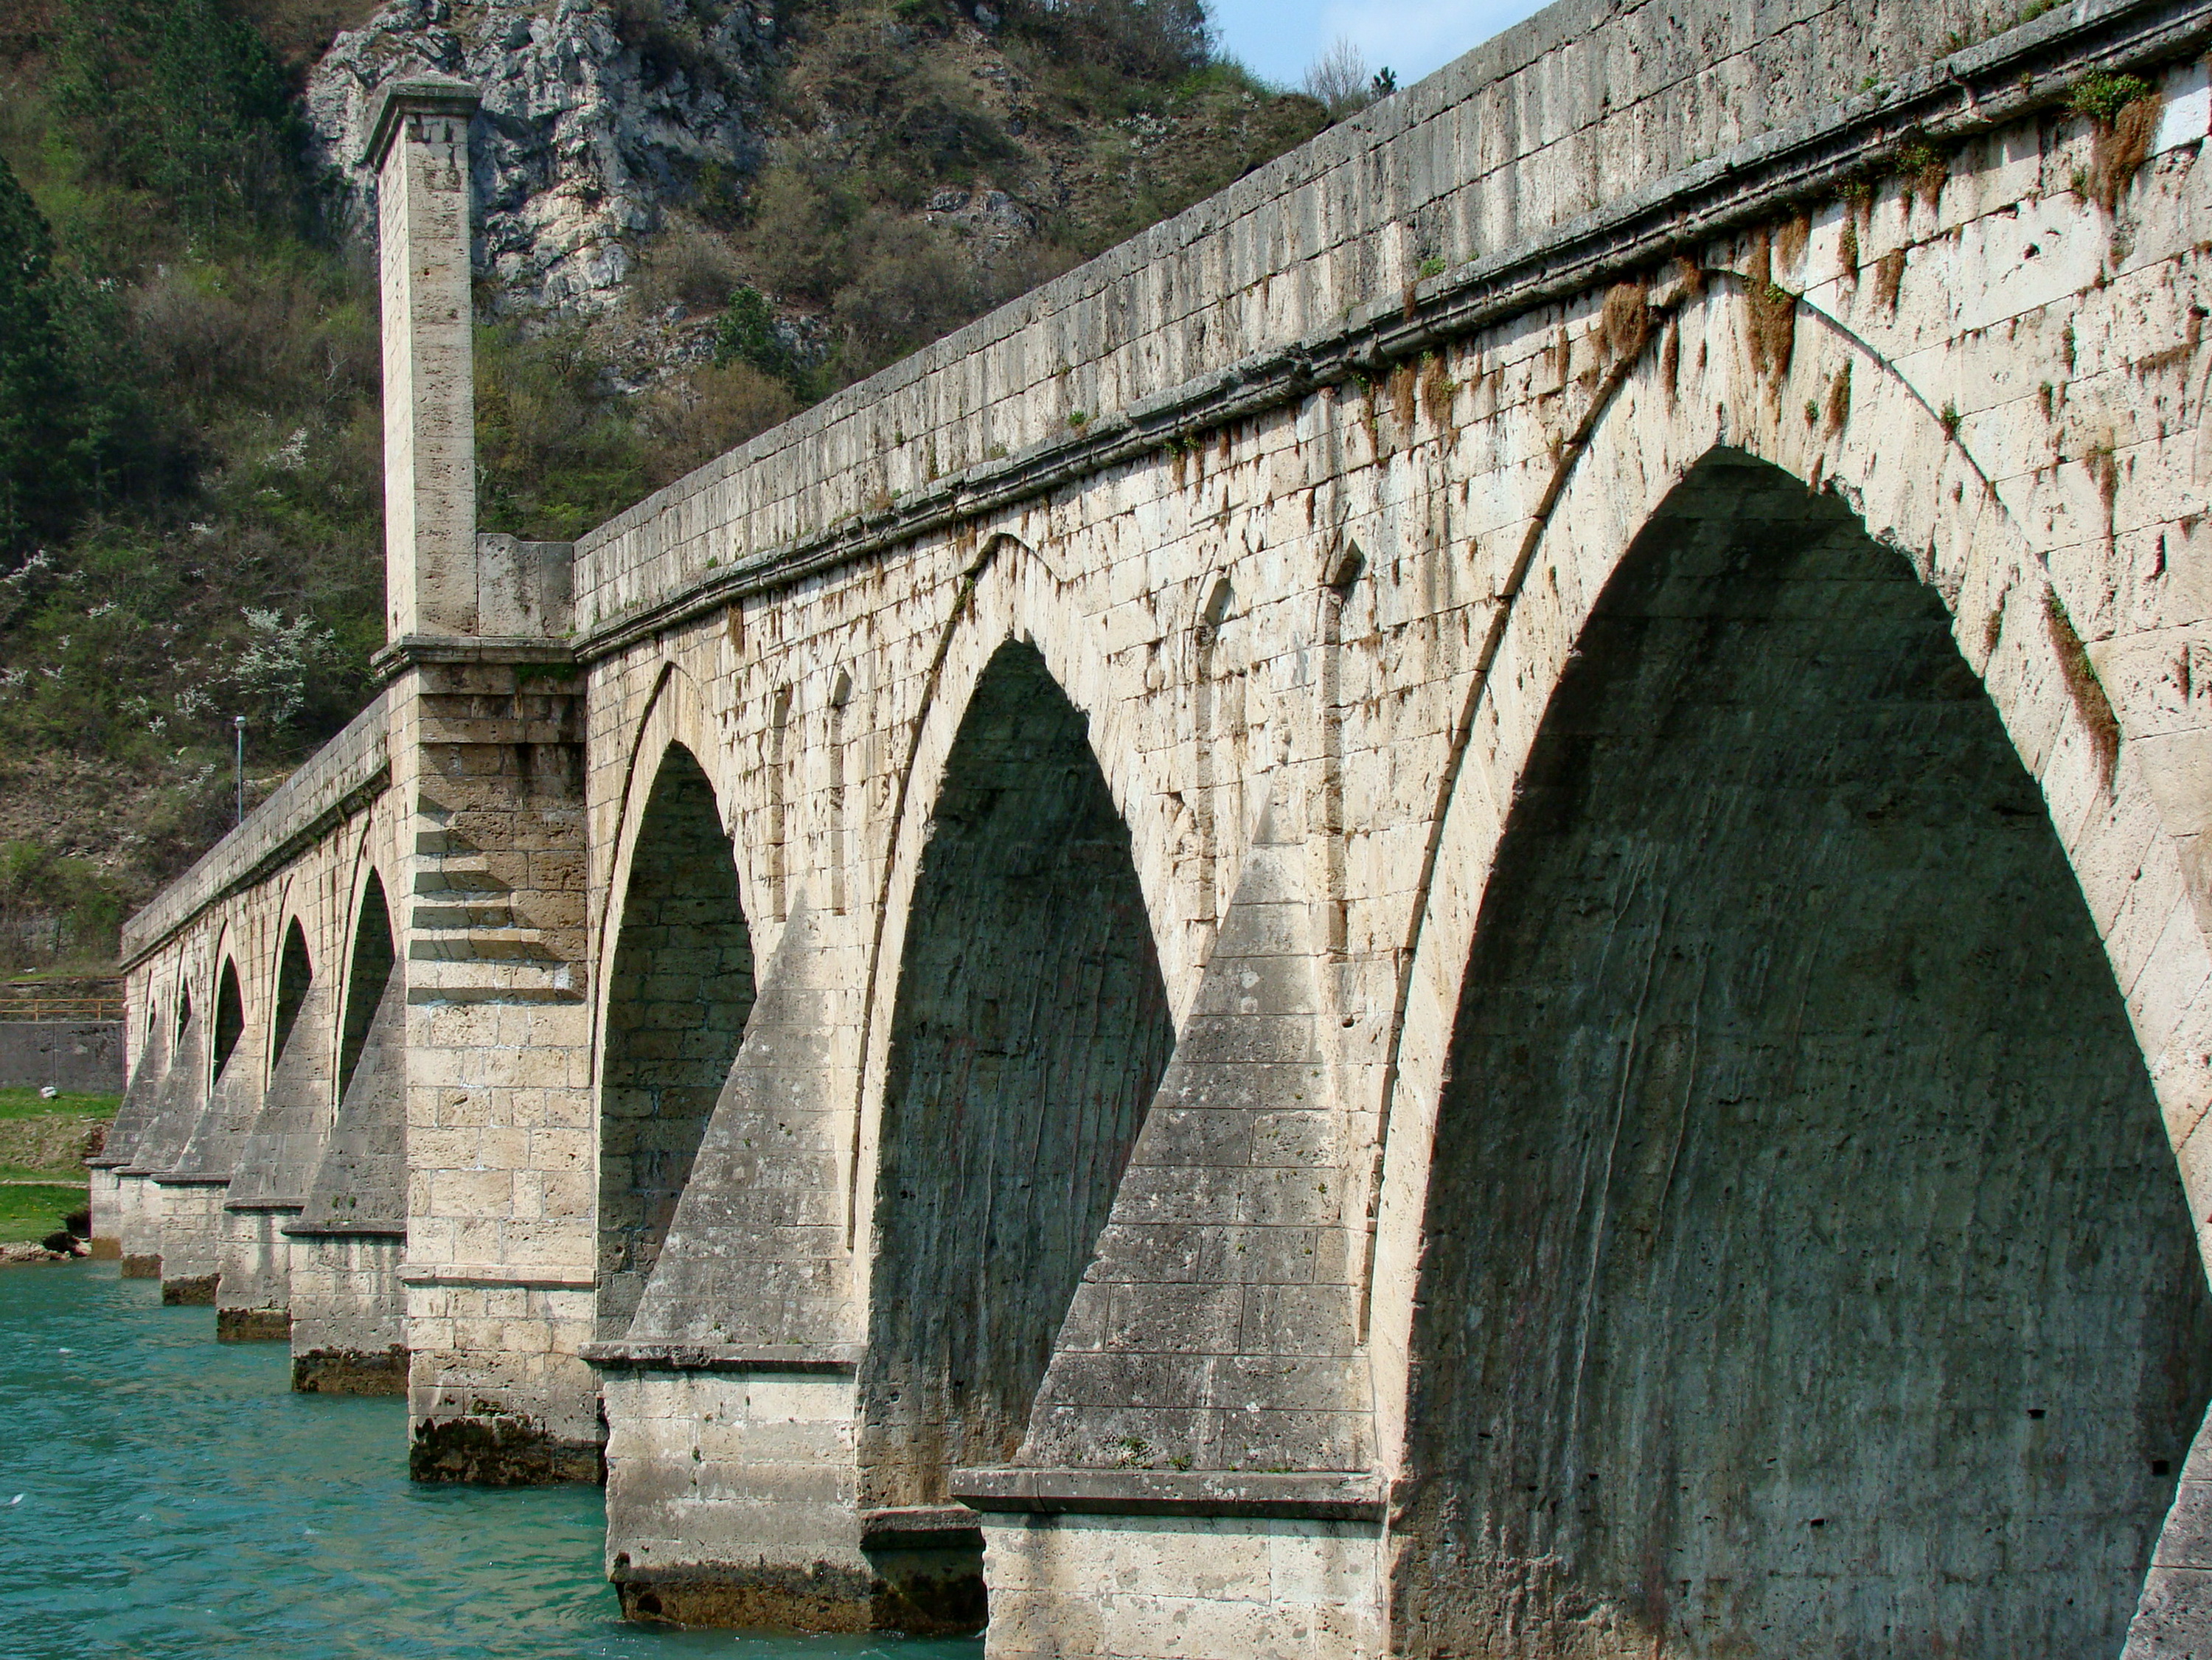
(279, 659)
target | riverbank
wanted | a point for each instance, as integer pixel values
(168, 1498)
(44, 1190)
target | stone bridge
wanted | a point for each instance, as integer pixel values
(1456, 912)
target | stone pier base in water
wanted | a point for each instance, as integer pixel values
(252, 1325)
(105, 1205)
(500, 1451)
(350, 1371)
(918, 1572)
(349, 1334)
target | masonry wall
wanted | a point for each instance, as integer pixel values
(77, 1055)
(1806, 1267)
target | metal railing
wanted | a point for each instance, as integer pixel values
(36, 1006)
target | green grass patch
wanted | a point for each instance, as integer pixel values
(28, 1103)
(31, 1211)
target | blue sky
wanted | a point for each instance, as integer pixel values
(1278, 39)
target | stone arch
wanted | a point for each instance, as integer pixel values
(1011, 593)
(371, 960)
(674, 713)
(295, 973)
(1030, 1027)
(229, 1017)
(1910, 488)
(678, 989)
(181, 1007)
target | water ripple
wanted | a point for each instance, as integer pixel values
(179, 1503)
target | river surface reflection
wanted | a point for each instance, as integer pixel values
(165, 1496)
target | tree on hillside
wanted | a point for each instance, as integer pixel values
(44, 444)
(1146, 40)
(183, 100)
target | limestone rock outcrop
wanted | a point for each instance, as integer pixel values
(596, 114)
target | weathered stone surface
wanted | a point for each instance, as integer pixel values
(1222, 1336)
(741, 1269)
(360, 1182)
(678, 997)
(498, 1450)
(245, 1325)
(1670, 1338)
(350, 1371)
(1031, 1028)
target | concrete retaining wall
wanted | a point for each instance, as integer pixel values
(78, 1056)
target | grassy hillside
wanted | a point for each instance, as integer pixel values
(189, 433)
(43, 1147)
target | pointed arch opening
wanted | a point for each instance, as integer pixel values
(1030, 1031)
(678, 994)
(296, 972)
(368, 973)
(1805, 1269)
(230, 1017)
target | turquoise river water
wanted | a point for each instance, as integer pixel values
(165, 1496)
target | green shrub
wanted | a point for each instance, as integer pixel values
(688, 420)
(556, 452)
(2101, 95)
(72, 897)
(748, 336)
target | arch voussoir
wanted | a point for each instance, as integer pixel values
(1912, 486)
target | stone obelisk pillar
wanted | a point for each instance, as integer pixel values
(486, 724)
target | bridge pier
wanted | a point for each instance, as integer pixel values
(191, 1237)
(106, 1204)
(348, 1316)
(253, 1285)
(138, 1225)
(730, 1394)
(110, 1196)
(485, 741)
(1160, 1583)
(279, 1157)
(498, 1278)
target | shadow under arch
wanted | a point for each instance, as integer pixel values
(1805, 1266)
(296, 974)
(679, 992)
(1030, 1031)
(229, 1017)
(368, 971)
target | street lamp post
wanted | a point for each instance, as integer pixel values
(238, 721)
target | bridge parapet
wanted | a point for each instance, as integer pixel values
(341, 777)
(1593, 138)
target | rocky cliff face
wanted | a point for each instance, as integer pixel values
(597, 113)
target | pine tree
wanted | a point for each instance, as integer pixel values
(45, 460)
(183, 100)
